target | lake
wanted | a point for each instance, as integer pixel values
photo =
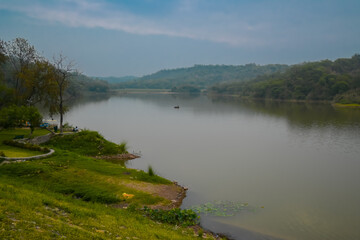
(295, 165)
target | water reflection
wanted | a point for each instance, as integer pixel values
(299, 160)
(298, 113)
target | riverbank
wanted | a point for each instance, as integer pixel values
(350, 105)
(71, 195)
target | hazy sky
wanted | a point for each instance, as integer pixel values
(137, 37)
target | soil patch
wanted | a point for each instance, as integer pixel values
(124, 156)
(172, 192)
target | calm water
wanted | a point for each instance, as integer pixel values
(300, 161)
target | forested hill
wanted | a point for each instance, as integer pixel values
(201, 76)
(86, 85)
(115, 79)
(324, 80)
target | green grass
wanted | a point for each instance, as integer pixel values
(87, 142)
(27, 213)
(82, 177)
(71, 195)
(11, 151)
(349, 105)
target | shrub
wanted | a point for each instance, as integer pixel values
(123, 147)
(151, 171)
(28, 146)
(185, 217)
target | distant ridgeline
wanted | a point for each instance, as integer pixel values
(86, 85)
(337, 80)
(199, 77)
(116, 79)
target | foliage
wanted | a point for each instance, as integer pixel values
(28, 146)
(200, 76)
(38, 81)
(186, 89)
(21, 56)
(85, 85)
(151, 171)
(123, 147)
(116, 79)
(15, 116)
(185, 217)
(6, 96)
(351, 96)
(309, 81)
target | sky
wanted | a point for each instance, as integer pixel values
(139, 37)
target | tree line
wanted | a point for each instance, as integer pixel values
(337, 80)
(200, 76)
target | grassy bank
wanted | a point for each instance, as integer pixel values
(11, 151)
(350, 105)
(76, 196)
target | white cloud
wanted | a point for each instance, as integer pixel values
(186, 21)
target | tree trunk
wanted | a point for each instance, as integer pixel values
(61, 116)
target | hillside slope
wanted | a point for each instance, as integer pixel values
(324, 80)
(201, 76)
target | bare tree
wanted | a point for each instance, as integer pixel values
(63, 69)
(2, 57)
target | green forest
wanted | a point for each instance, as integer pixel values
(337, 81)
(200, 76)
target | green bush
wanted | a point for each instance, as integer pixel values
(123, 147)
(28, 146)
(151, 171)
(186, 217)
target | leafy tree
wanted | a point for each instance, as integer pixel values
(33, 117)
(21, 56)
(6, 96)
(38, 80)
(11, 116)
(15, 116)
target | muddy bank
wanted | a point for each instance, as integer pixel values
(124, 156)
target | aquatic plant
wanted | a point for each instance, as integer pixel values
(183, 217)
(222, 208)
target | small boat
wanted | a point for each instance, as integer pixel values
(177, 107)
